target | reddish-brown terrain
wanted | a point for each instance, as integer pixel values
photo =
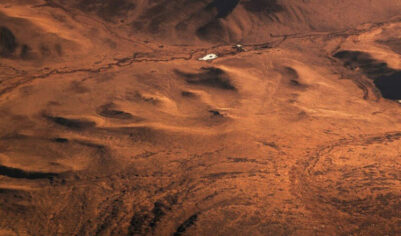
(110, 125)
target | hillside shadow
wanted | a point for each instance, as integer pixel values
(386, 79)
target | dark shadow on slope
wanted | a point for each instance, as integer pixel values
(210, 76)
(158, 212)
(137, 224)
(262, 6)
(185, 225)
(291, 78)
(75, 124)
(21, 174)
(108, 111)
(60, 140)
(386, 79)
(8, 42)
(212, 31)
(107, 9)
(188, 94)
(224, 7)
(394, 44)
